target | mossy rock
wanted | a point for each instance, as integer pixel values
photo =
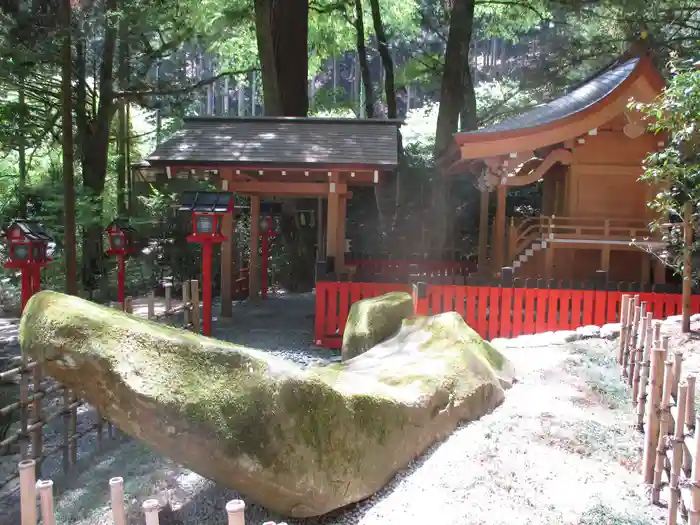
(300, 442)
(373, 320)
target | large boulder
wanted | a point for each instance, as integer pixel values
(300, 442)
(373, 320)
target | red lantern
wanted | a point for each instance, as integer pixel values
(208, 209)
(28, 245)
(120, 236)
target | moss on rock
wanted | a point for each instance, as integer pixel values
(302, 442)
(373, 320)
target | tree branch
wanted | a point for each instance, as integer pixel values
(136, 96)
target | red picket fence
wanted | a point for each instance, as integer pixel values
(492, 311)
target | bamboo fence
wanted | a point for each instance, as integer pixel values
(31, 490)
(664, 404)
(42, 400)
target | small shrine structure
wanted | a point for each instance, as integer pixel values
(587, 148)
(279, 157)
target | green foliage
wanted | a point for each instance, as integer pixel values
(675, 170)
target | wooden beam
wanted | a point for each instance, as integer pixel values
(483, 230)
(227, 229)
(307, 189)
(254, 265)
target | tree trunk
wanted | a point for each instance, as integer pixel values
(362, 58)
(455, 73)
(282, 29)
(456, 79)
(95, 144)
(122, 126)
(387, 61)
(22, 164)
(71, 284)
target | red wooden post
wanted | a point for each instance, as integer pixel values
(26, 279)
(265, 256)
(121, 278)
(420, 298)
(206, 287)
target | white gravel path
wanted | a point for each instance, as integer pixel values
(560, 450)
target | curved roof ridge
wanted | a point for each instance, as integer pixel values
(576, 100)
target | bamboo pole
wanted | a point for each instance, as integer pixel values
(150, 510)
(168, 296)
(694, 513)
(651, 427)
(637, 356)
(45, 488)
(24, 405)
(690, 410)
(643, 382)
(27, 491)
(689, 420)
(187, 315)
(236, 512)
(195, 307)
(632, 344)
(151, 304)
(116, 496)
(624, 314)
(664, 424)
(678, 442)
(38, 432)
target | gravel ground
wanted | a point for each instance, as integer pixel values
(560, 450)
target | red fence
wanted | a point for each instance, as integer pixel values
(491, 311)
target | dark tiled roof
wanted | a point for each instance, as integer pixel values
(282, 141)
(573, 102)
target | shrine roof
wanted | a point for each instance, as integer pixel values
(281, 141)
(580, 98)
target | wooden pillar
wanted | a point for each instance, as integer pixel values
(605, 251)
(646, 269)
(549, 261)
(659, 271)
(332, 215)
(499, 230)
(342, 213)
(319, 231)
(254, 266)
(227, 229)
(484, 231)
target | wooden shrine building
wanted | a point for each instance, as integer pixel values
(587, 148)
(282, 157)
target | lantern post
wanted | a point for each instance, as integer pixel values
(28, 245)
(121, 244)
(208, 209)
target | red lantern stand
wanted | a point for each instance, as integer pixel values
(267, 230)
(28, 252)
(121, 244)
(208, 209)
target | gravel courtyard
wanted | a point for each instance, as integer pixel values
(560, 450)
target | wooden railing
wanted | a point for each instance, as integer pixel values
(522, 234)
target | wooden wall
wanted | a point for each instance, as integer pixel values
(603, 177)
